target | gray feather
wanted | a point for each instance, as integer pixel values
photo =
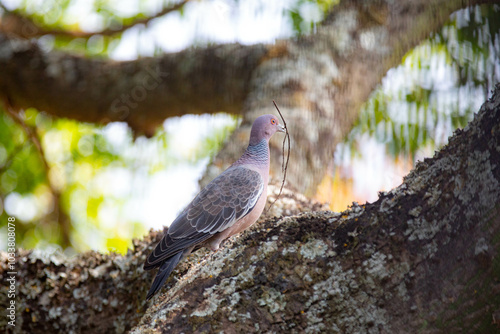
(224, 201)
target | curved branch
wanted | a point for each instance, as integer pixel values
(423, 258)
(20, 26)
(320, 81)
(142, 92)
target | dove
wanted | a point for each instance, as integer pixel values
(229, 204)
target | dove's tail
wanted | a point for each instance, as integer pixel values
(165, 270)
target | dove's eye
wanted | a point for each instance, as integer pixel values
(273, 121)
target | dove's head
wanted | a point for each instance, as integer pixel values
(264, 127)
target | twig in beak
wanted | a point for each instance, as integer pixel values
(284, 165)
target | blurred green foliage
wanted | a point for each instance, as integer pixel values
(437, 89)
(80, 157)
(306, 14)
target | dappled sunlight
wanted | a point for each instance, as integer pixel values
(415, 110)
(112, 187)
(360, 178)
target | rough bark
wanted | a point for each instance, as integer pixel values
(425, 257)
(94, 292)
(319, 80)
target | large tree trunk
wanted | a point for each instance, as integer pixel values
(319, 80)
(423, 258)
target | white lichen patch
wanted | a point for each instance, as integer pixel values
(386, 205)
(100, 270)
(342, 31)
(55, 312)
(70, 316)
(374, 40)
(234, 299)
(335, 218)
(57, 257)
(375, 266)
(481, 183)
(415, 212)
(432, 196)
(209, 305)
(403, 291)
(340, 303)
(421, 229)
(430, 249)
(160, 313)
(216, 294)
(79, 293)
(234, 316)
(314, 317)
(268, 247)
(415, 183)
(307, 278)
(174, 306)
(290, 249)
(218, 261)
(481, 247)
(313, 249)
(213, 297)
(273, 299)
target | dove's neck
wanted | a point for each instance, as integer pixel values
(257, 155)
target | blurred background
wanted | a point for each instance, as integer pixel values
(96, 187)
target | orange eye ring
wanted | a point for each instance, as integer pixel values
(273, 121)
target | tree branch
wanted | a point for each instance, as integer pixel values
(142, 93)
(93, 292)
(423, 258)
(14, 24)
(320, 81)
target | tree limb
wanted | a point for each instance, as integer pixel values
(424, 257)
(320, 81)
(14, 24)
(142, 93)
(206, 80)
(94, 292)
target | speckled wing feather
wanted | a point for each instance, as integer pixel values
(224, 201)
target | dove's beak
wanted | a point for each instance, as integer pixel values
(281, 128)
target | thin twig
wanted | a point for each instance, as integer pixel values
(8, 161)
(284, 165)
(29, 132)
(61, 216)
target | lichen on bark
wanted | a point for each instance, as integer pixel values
(424, 257)
(421, 258)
